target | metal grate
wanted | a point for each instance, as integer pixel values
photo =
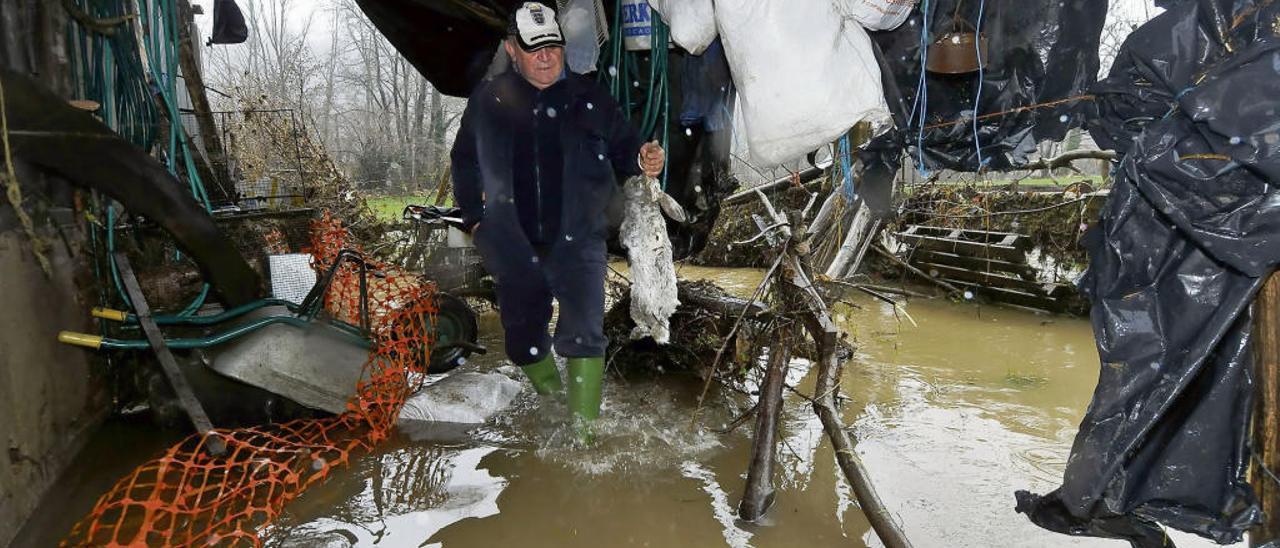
(291, 276)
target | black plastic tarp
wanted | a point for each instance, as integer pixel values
(1190, 228)
(1040, 51)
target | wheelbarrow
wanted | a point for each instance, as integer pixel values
(290, 349)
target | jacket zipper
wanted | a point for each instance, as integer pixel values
(537, 173)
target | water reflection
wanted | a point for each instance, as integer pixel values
(399, 498)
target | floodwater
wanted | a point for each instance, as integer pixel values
(953, 408)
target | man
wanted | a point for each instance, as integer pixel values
(535, 163)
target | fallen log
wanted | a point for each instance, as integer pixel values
(726, 305)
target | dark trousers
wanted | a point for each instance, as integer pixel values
(526, 286)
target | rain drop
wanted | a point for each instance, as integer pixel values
(533, 351)
(968, 295)
(578, 379)
(577, 340)
(688, 132)
(568, 237)
(462, 361)
(317, 463)
(697, 188)
(635, 84)
(613, 71)
(590, 106)
(1235, 140)
(551, 112)
(600, 157)
(1063, 118)
(535, 259)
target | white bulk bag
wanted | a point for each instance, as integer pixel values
(693, 22)
(805, 75)
(877, 14)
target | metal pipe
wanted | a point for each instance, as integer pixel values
(94, 341)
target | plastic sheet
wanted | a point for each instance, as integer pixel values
(1041, 52)
(693, 22)
(877, 14)
(805, 76)
(582, 49)
(1188, 232)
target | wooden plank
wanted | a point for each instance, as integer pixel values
(213, 161)
(986, 278)
(1011, 239)
(1266, 411)
(982, 264)
(962, 247)
(186, 396)
(1012, 296)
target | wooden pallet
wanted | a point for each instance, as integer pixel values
(991, 264)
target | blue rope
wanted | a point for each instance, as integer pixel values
(977, 98)
(922, 89)
(845, 151)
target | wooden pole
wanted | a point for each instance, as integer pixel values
(212, 155)
(759, 493)
(824, 405)
(1266, 417)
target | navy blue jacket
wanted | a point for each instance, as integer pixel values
(597, 145)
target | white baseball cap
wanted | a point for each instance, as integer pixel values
(534, 26)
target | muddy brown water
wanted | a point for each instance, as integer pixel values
(953, 410)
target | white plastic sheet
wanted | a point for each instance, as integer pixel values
(877, 14)
(805, 74)
(693, 22)
(578, 22)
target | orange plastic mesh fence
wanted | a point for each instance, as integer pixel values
(189, 498)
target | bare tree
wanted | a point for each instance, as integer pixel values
(384, 123)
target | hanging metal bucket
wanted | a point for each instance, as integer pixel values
(954, 53)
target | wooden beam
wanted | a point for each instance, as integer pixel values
(212, 155)
(1266, 414)
(759, 493)
(177, 380)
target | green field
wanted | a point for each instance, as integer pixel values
(389, 208)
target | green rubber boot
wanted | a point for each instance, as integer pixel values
(544, 376)
(586, 382)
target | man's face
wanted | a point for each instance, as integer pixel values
(541, 68)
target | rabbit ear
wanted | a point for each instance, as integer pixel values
(672, 207)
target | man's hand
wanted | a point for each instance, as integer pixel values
(652, 158)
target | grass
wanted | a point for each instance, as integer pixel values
(389, 208)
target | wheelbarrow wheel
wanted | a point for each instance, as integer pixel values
(455, 322)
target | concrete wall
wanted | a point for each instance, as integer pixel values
(51, 395)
